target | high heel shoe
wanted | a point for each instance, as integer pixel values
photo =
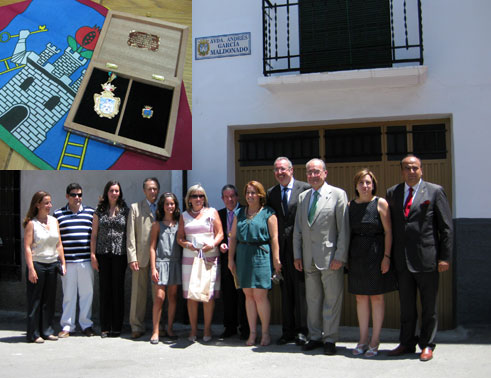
(360, 349)
(372, 351)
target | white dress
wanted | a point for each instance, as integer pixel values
(199, 231)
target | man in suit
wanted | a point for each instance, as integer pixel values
(320, 247)
(233, 299)
(140, 219)
(283, 198)
(421, 247)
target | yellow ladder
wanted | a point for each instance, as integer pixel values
(9, 68)
(65, 154)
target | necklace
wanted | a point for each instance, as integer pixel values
(250, 216)
(196, 212)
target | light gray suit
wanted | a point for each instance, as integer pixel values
(317, 244)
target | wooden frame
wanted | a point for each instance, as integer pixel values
(158, 69)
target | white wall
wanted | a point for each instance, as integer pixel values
(457, 53)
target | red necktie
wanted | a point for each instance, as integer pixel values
(409, 202)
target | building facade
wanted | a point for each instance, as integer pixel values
(355, 97)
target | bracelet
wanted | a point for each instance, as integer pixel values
(388, 256)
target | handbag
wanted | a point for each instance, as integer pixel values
(201, 286)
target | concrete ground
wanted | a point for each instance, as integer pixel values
(459, 353)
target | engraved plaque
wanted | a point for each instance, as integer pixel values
(143, 40)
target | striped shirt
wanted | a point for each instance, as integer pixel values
(75, 231)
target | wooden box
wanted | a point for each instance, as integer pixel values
(147, 56)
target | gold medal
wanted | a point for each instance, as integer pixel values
(105, 104)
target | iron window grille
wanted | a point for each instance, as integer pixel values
(306, 36)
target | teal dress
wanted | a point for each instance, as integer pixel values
(253, 252)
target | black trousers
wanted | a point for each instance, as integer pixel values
(427, 285)
(293, 303)
(112, 270)
(41, 299)
(234, 312)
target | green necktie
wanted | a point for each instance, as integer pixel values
(313, 206)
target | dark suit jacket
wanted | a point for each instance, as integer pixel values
(425, 237)
(223, 217)
(285, 224)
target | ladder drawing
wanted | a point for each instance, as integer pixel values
(4, 37)
(8, 68)
(73, 154)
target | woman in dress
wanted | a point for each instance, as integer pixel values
(369, 259)
(165, 262)
(43, 252)
(200, 229)
(108, 256)
(253, 244)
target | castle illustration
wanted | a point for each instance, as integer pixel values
(37, 97)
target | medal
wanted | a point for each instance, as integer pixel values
(147, 112)
(105, 104)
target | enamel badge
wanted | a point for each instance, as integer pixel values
(105, 103)
(147, 112)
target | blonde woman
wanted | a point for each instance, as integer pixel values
(200, 228)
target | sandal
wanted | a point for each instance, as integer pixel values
(251, 340)
(372, 351)
(360, 349)
(265, 339)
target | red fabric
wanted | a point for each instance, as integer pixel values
(409, 202)
(181, 157)
(98, 7)
(12, 10)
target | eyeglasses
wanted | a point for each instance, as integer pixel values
(281, 170)
(73, 195)
(314, 172)
(195, 196)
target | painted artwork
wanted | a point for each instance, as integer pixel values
(45, 49)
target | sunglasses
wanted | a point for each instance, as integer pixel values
(194, 196)
(75, 195)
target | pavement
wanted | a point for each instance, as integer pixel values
(462, 352)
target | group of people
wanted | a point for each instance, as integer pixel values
(303, 235)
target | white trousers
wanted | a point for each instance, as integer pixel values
(79, 279)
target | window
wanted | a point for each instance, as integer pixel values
(429, 141)
(344, 35)
(396, 143)
(263, 149)
(350, 145)
(27, 83)
(52, 102)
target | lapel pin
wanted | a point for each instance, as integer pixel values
(147, 112)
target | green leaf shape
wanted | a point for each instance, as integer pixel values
(72, 43)
(86, 54)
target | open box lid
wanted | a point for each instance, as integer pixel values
(141, 45)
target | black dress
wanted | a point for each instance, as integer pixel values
(366, 251)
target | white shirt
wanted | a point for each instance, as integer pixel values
(406, 191)
(289, 191)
